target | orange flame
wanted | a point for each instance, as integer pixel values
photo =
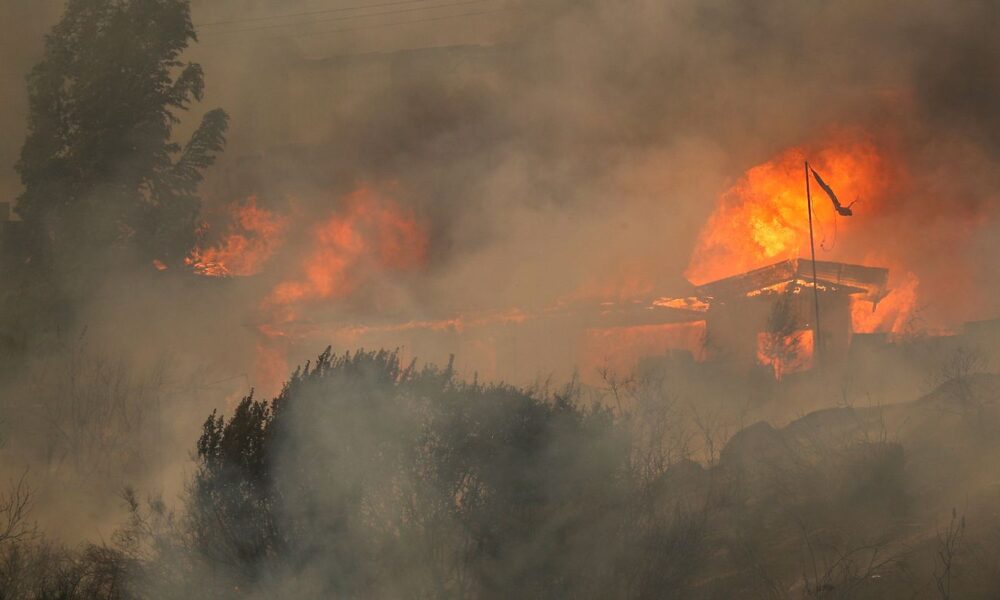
(372, 233)
(894, 314)
(763, 218)
(252, 237)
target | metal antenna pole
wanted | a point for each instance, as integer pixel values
(812, 247)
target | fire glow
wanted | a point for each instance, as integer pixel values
(368, 236)
(763, 219)
(786, 354)
(371, 234)
(618, 349)
(758, 222)
(251, 238)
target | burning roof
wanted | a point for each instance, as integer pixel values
(859, 281)
(866, 283)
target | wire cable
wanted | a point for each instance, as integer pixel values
(347, 17)
(362, 28)
(306, 14)
(217, 43)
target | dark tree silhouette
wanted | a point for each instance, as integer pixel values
(99, 166)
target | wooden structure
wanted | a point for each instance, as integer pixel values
(743, 310)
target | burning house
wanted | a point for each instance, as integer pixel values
(330, 274)
(768, 315)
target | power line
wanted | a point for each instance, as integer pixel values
(350, 17)
(346, 29)
(441, 18)
(306, 14)
(361, 28)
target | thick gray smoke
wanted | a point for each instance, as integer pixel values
(554, 149)
(591, 138)
(583, 138)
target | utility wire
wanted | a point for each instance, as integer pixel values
(331, 31)
(306, 14)
(349, 17)
(363, 28)
(428, 19)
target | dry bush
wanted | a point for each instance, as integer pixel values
(91, 414)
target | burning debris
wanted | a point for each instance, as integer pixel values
(252, 236)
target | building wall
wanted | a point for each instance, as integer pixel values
(733, 326)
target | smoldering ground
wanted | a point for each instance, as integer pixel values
(564, 146)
